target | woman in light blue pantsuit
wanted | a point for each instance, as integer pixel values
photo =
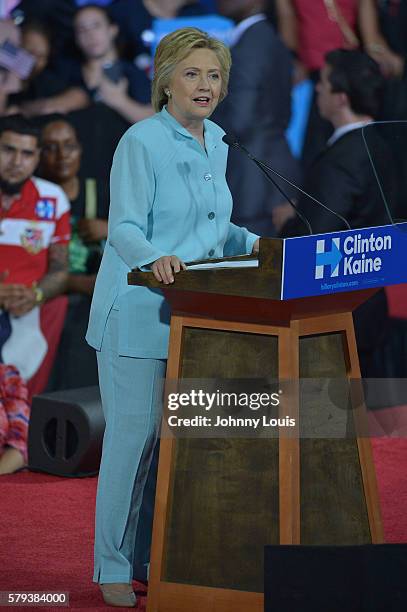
(169, 203)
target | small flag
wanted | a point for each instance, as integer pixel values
(16, 59)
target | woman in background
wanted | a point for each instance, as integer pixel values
(102, 74)
(61, 153)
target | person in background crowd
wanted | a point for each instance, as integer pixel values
(169, 202)
(42, 90)
(311, 29)
(36, 39)
(136, 21)
(349, 96)
(393, 23)
(55, 15)
(257, 111)
(75, 364)
(34, 237)
(42, 85)
(101, 74)
(89, 201)
(10, 83)
(14, 419)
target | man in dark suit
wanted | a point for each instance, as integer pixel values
(349, 96)
(257, 111)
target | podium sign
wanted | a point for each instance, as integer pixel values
(344, 261)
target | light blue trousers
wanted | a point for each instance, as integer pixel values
(131, 391)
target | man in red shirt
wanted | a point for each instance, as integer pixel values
(34, 237)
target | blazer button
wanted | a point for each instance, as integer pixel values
(211, 215)
(208, 177)
(211, 253)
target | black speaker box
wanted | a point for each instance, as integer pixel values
(369, 578)
(66, 432)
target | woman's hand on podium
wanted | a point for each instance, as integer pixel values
(165, 267)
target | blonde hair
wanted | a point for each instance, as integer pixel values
(174, 48)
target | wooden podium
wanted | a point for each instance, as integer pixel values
(219, 501)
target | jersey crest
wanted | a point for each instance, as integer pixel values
(32, 239)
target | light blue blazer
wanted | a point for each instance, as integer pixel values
(168, 197)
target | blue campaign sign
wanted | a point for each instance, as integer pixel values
(344, 261)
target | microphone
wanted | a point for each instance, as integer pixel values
(233, 142)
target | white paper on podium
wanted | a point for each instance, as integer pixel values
(246, 263)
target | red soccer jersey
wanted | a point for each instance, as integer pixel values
(39, 218)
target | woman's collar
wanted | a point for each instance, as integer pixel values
(209, 140)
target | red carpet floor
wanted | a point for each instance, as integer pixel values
(47, 528)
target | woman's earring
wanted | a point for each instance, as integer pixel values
(168, 93)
